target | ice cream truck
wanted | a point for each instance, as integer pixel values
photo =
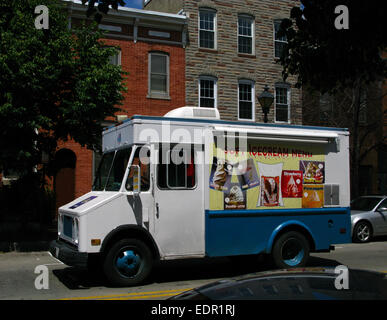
(190, 185)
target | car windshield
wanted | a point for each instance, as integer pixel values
(364, 204)
(111, 170)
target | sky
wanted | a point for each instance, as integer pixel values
(134, 4)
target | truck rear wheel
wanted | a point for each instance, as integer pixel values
(128, 262)
(291, 250)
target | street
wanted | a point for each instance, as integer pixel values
(21, 275)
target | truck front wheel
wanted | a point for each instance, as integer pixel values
(128, 262)
(291, 250)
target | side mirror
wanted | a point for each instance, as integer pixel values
(136, 179)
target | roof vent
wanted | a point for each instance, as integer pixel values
(193, 112)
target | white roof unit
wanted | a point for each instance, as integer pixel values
(194, 112)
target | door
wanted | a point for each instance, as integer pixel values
(179, 201)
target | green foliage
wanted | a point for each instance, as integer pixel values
(341, 62)
(55, 84)
(328, 59)
(102, 7)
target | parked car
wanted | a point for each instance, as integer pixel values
(368, 217)
(294, 284)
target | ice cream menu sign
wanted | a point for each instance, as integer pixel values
(267, 176)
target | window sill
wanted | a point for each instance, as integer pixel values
(158, 96)
(246, 120)
(208, 50)
(282, 122)
(246, 55)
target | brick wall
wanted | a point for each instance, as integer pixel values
(134, 60)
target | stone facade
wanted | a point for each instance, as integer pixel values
(225, 64)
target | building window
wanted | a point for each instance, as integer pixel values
(207, 92)
(326, 106)
(116, 58)
(279, 42)
(282, 103)
(246, 100)
(245, 35)
(158, 75)
(207, 29)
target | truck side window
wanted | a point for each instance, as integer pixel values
(141, 159)
(179, 171)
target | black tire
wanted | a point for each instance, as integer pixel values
(94, 264)
(291, 250)
(128, 263)
(362, 232)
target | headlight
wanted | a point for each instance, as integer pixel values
(60, 224)
(76, 230)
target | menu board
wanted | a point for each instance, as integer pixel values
(267, 176)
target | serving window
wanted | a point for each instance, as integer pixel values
(176, 168)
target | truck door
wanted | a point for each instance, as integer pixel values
(179, 200)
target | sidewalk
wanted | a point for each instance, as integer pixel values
(26, 237)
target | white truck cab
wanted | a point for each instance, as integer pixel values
(175, 187)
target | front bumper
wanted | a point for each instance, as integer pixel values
(68, 254)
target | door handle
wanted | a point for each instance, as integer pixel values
(157, 210)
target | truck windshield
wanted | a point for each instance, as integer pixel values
(111, 170)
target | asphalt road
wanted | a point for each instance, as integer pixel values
(21, 275)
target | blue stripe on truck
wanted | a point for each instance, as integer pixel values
(241, 232)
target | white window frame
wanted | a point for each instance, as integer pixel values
(288, 97)
(116, 57)
(215, 31)
(252, 84)
(326, 106)
(158, 94)
(274, 38)
(215, 80)
(252, 23)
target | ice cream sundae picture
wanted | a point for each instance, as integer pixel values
(313, 171)
(270, 191)
(235, 198)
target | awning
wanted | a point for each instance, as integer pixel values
(276, 134)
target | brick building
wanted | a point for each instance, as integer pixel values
(152, 52)
(232, 53)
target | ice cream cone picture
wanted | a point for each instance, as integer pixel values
(291, 184)
(220, 173)
(313, 196)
